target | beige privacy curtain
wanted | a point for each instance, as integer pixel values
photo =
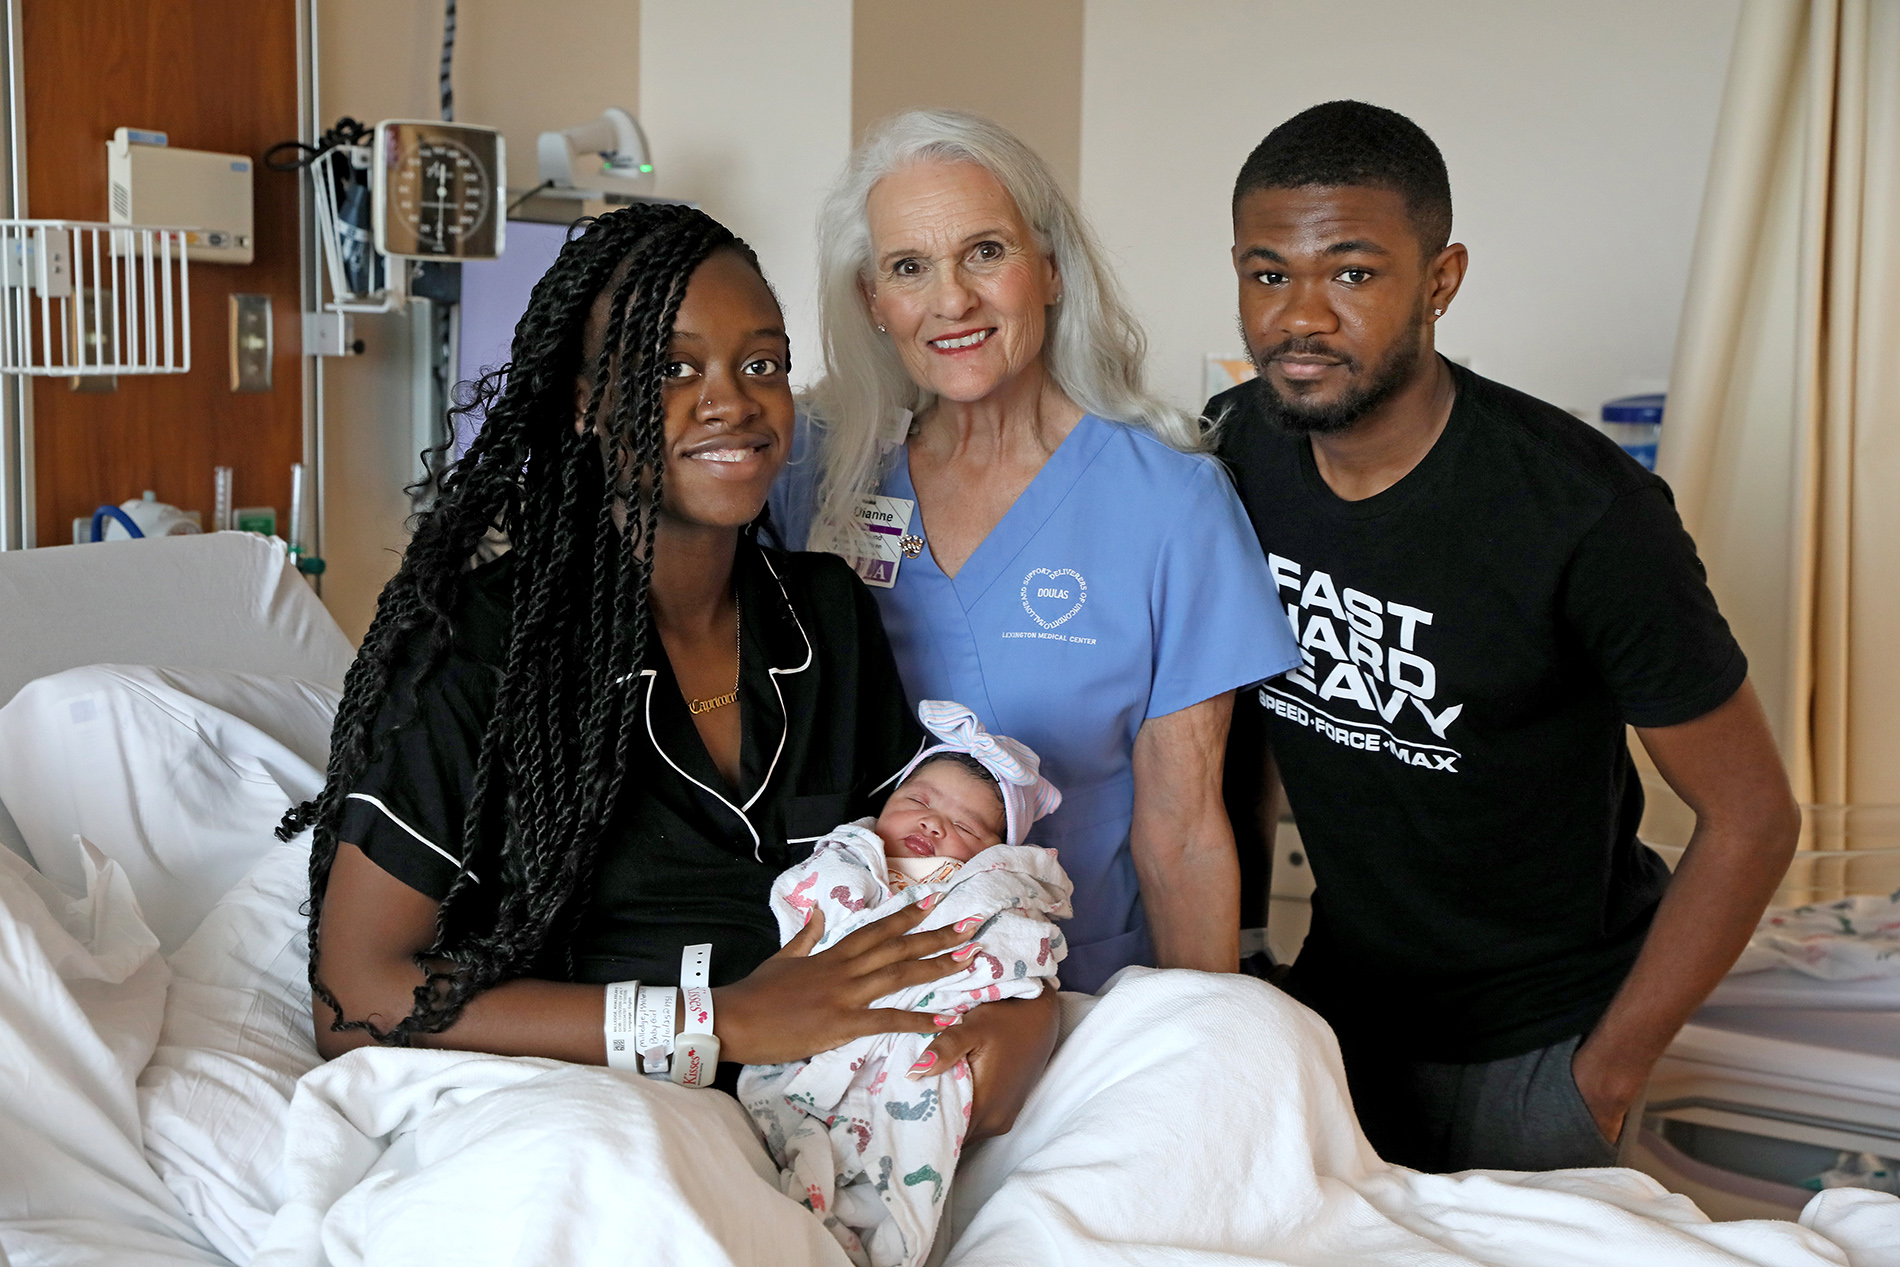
(1783, 434)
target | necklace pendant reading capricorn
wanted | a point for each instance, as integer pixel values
(698, 706)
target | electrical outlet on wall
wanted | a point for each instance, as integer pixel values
(251, 343)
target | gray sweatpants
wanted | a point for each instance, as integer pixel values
(1520, 1113)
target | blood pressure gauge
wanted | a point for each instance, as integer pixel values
(435, 190)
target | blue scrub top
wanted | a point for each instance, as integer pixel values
(1125, 583)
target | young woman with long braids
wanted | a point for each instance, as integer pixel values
(594, 717)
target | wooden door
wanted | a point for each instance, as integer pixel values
(214, 75)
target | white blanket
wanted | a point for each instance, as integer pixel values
(1187, 1119)
(82, 990)
(178, 775)
(1202, 1121)
(409, 1157)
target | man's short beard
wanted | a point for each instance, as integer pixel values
(1297, 417)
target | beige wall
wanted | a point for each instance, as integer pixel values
(1017, 61)
(520, 66)
(753, 127)
(530, 68)
(1578, 138)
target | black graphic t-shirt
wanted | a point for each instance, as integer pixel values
(1475, 638)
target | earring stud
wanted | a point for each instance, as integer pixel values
(880, 329)
(1438, 312)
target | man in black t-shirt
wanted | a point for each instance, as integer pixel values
(1486, 591)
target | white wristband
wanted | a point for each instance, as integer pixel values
(618, 1025)
(695, 970)
(696, 1050)
(653, 1026)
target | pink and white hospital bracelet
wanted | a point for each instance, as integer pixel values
(696, 1050)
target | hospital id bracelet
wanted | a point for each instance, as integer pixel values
(695, 983)
(696, 1051)
(618, 1025)
(695, 1059)
(653, 1026)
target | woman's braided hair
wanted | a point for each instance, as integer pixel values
(552, 758)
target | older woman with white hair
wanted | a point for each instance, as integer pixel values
(1046, 539)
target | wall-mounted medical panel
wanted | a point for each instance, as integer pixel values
(153, 182)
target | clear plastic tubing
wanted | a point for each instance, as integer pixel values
(294, 531)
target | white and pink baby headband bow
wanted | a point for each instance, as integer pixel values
(1027, 796)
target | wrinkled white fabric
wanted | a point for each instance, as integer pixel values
(1865, 1224)
(1169, 1085)
(1198, 1120)
(404, 1157)
(178, 775)
(857, 1142)
(82, 992)
(216, 1094)
(1186, 1120)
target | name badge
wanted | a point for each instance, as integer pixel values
(876, 540)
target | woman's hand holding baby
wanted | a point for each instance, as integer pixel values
(1008, 1044)
(797, 1004)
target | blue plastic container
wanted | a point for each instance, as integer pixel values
(1635, 423)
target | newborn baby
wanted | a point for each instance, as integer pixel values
(867, 1135)
(947, 811)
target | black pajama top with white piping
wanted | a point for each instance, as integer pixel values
(686, 857)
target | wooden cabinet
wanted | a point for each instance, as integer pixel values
(214, 75)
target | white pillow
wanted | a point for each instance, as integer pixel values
(236, 1039)
(178, 775)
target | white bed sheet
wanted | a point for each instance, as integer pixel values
(215, 1096)
(228, 601)
(82, 991)
(178, 775)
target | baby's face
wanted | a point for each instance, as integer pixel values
(941, 811)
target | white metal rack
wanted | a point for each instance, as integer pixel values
(348, 248)
(79, 299)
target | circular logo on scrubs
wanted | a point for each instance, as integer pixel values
(1051, 598)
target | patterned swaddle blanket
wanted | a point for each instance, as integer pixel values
(862, 1146)
(1853, 939)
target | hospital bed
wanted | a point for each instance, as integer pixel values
(225, 613)
(1781, 1071)
(223, 600)
(161, 703)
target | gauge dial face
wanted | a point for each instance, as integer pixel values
(442, 193)
(437, 190)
